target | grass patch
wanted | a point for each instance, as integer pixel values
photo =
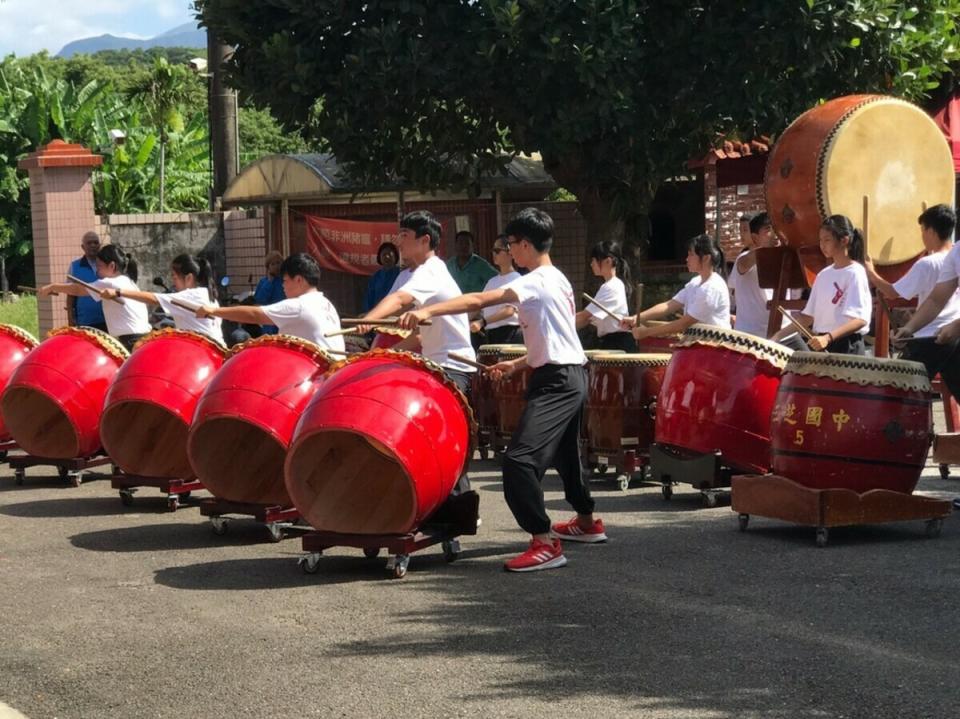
(22, 312)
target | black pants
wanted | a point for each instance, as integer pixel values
(464, 382)
(942, 359)
(505, 335)
(618, 341)
(548, 436)
(849, 345)
(129, 341)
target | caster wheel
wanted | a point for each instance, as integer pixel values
(944, 471)
(218, 525)
(173, 503)
(623, 482)
(19, 476)
(743, 520)
(75, 478)
(400, 564)
(667, 492)
(822, 536)
(371, 552)
(275, 531)
(484, 453)
(934, 526)
(310, 563)
(709, 499)
(451, 550)
(184, 496)
(126, 497)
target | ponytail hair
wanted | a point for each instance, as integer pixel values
(707, 246)
(125, 263)
(611, 249)
(840, 226)
(200, 268)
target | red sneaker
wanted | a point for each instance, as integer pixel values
(539, 555)
(573, 532)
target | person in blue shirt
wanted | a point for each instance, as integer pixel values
(379, 286)
(85, 311)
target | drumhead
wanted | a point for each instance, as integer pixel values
(390, 330)
(19, 334)
(767, 350)
(316, 352)
(599, 353)
(108, 343)
(169, 332)
(495, 349)
(864, 371)
(638, 359)
(512, 350)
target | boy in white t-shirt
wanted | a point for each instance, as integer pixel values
(306, 313)
(548, 432)
(752, 314)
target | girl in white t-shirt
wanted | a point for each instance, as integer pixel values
(705, 299)
(606, 261)
(193, 282)
(127, 321)
(499, 322)
(840, 306)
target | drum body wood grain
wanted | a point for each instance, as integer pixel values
(621, 395)
(15, 344)
(511, 392)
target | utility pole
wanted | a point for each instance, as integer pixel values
(223, 118)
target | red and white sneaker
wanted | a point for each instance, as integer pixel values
(571, 531)
(539, 555)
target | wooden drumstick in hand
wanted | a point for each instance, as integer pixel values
(93, 288)
(609, 312)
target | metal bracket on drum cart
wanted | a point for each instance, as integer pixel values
(70, 470)
(278, 520)
(455, 517)
(177, 490)
(705, 472)
(626, 462)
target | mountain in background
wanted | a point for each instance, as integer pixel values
(187, 35)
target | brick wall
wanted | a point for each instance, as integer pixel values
(723, 207)
(245, 245)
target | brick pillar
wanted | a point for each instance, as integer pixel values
(61, 206)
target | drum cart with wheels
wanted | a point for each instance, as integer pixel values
(177, 490)
(705, 472)
(455, 517)
(71, 471)
(626, 463)
(279, 521)
(776, 497)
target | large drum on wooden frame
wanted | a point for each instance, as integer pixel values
(380, 446)
(53, 402)
(483, 394)
(511, 391)
(15, 343)
(150, 405)
(717, 396)
(622, 390)
(245, 419)
(658, 344)
(832, 156)
(847, 422)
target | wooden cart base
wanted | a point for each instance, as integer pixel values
(279, 521)
(177, 490)
(70, 470)
(704, 472)
(456, 517)
(777, 497)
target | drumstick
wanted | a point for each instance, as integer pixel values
(613, 314)
(93, 288)
(347, 331)
(803, 330)
(467, 360)
(32, 290)
(184, 305)
(385, 322)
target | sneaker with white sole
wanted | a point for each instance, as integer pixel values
(539, 555)
(571, 531)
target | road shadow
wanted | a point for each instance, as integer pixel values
(169, 537)
(76, 506)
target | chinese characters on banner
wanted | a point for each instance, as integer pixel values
(347, 245)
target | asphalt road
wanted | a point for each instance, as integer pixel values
(109, 611)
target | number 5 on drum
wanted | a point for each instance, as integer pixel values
(798, 438)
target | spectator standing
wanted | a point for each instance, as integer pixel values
(86, 311)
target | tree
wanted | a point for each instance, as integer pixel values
(614, 94)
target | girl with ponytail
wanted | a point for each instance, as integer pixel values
(117, 273)
(606, 261)
(840, 306)
(194, 284)
(705, 299)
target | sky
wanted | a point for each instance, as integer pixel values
(28, 26)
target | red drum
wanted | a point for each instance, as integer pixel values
(387, 337)
(150, 405)
(663, 343)
(53, 402)
(511, 392)
(381, 445)
(718, 393)
(484, 393)
(847, 422)
(15, 343)
(621, 400)
(246, 416)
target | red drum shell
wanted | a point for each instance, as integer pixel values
(150, 405)
(620, 392)
(380, 446)
(53, 402)
(483, 393)
(387, 337)
(511, 392)
(15, 344)
(657, 345)
(714, 398)
(246, 417)
(882, 441)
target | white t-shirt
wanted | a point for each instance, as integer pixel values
(131, 317)
(429, 284)
(707, 302)
(838, 296)
(750, 300)
(187, 320)
(612, 295)
(548, 318)
(494, 283)
(401, 280)
(308, 317)
(920, 281)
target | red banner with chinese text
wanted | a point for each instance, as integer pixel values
(348, 245)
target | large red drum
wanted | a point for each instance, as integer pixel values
(245, 419)
(15, 343)
(53, 402)
(717, 396)
(387, 337)
(659, 344)
(511, 392)
(621, 400)
(150, 405)
(847, 422)
(381, 445)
